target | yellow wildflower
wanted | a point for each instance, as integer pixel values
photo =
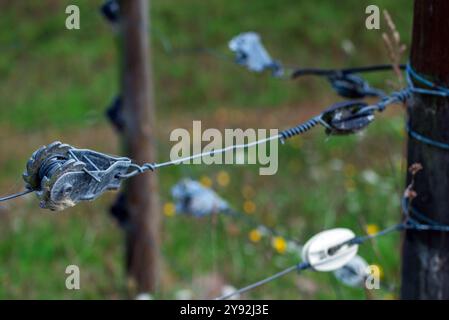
(255, 235)
(223, 178)
(279, 244)
(371, 229)
(206, 181)
(249, 207)
(169, 209)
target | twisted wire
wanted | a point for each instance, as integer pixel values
(300, 129)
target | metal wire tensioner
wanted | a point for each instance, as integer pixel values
(61, 175)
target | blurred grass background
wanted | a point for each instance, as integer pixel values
(55, 85)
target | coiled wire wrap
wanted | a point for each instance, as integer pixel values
(434, 90)
(138, 170)
(302, 128)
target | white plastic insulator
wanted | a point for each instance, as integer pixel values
(316, 251)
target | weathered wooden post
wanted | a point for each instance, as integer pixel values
(141, 197)
(425, 258)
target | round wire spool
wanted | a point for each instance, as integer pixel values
(34, 168)
(45, 166)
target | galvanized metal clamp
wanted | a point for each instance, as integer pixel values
(62, 175)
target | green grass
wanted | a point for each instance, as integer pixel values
(56, 83)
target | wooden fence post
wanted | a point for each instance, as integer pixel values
(425, 257)
(141, 197)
